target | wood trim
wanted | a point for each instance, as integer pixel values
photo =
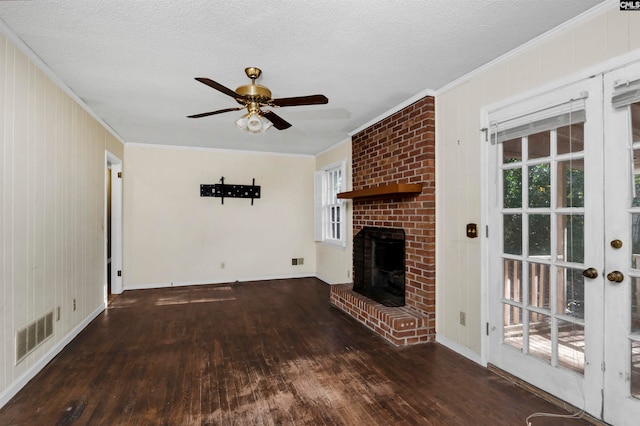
(383, 191)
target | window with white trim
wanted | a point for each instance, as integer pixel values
(330, 212)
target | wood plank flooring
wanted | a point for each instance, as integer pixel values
(258, 353)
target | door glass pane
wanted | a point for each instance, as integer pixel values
(512, 151)
(512, 232)
(635, 240)
(636, 178)
(570, 238)
(539, 185)
(571, 183)
(539, 285)
(540, 335)
(512, 187)
(570, 297)
(539, 145)
(635, 369)
(571, 346)
(571, 138)
(513, 280)
(540, 235)
(635, 301)
(512, 332)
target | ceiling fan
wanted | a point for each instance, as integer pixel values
(254, 97)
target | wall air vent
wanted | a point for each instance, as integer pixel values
(33, 335)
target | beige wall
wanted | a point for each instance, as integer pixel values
(52, 189)
(602, 37)
(172, 236)
(334, 264)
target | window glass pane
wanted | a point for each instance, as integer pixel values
(540, 336)
(513, 280)
(512, 188)
(512, 233)
(539, 145)
(635, 301)
(540, 235)
(570, 237)
(512, 151)
(539, 185)
(570, 294)
(512, 331)
(571, 138)
(571, 183)
(539, 285)
(571, 346)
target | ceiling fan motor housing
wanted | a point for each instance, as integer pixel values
(254, 92)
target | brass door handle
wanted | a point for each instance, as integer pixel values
(590, 273)
(615, 276)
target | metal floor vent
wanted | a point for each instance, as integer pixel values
(33, 335)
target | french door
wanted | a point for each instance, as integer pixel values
(564, 228)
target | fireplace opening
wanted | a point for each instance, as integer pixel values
(379, 269)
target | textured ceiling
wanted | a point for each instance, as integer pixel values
(134, 62)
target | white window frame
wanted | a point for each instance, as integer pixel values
(330, 228)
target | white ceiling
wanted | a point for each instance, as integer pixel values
(134, 62)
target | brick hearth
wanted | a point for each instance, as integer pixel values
(398, 149)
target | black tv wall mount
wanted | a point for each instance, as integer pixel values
(223, 190)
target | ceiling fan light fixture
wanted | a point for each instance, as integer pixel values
(253, 123)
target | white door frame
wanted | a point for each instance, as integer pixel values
(487, 202)
(115, 164)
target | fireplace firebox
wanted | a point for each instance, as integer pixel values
(379, 266)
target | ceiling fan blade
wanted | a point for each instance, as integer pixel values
(277, 121)
(220, 111)
(300, 100)
(219, 87)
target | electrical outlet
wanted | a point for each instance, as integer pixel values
(74, 304)
(58, 313)
(463, 318)
(301, 261)
(294, 261)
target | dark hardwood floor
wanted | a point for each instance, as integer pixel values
(258, 353)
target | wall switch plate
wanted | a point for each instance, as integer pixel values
(463, 318)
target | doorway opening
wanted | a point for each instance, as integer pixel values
(113, 227)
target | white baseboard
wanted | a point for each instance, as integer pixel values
(462, 350)
(146, 286)
(25, 377)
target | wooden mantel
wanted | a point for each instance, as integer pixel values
(383, 191)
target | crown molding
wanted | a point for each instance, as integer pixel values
(390, 112)
(38, 62)
(604, 7)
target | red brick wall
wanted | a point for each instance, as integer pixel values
(401, 149)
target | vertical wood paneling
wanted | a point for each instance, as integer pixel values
(4, 301)
(458, 114)
(51, 208)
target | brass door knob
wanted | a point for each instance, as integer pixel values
(590, 273)
(615, 276)
(616, 244)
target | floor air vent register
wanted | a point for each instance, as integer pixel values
(33, 335)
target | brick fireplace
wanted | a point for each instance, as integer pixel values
(390, 160)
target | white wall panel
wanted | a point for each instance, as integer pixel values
(610, 34)
(172, 236)
(51, 211)
(334, 264)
